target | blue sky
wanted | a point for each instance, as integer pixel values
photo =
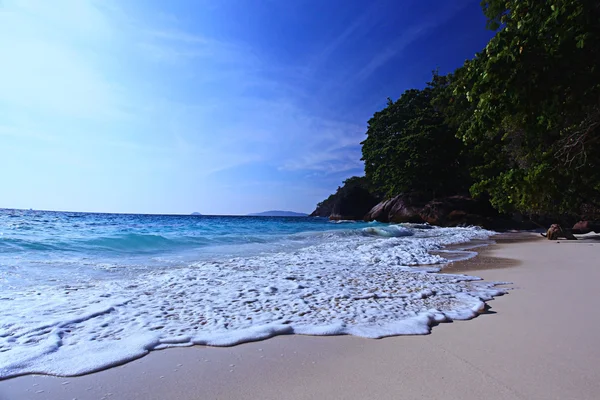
(220, 106)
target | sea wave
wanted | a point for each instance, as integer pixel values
(389, 231)
(132, 243)
(371, 283)
(8, 244)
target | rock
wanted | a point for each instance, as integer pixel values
(379, 212)
(323, 209)
(583, 227)
(402, 208)
(352, 204)
(447, 211)
(351, 201)
(555, 232)
(458, 211)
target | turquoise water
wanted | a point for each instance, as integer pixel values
(82, 292)
(53, 246)
(104, 234)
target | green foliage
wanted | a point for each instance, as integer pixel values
(410, 147)
(325, 207)
(519, 123)
(533, 107)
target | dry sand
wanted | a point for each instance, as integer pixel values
(539, 342)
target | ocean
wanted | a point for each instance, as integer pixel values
(80, 292)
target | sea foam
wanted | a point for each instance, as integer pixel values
(380, 281)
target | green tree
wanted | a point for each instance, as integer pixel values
(409, 146)
(532, 106)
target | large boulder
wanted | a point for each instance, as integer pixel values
(583, 227)
(556, 232)
(447, 211)
(402, 208)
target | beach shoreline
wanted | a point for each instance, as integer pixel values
(531, 344)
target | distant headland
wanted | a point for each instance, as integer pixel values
(278, 213)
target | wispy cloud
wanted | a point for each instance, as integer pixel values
(360, 26)
(175, 45)
(147, 102)
(405, 39)
(333, 148)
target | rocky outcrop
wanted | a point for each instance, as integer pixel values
(402, 208)
(457, 211)
(447, 211)
(324, 208)
(556, 232)
(356, 202)
(583, 227)
(351, 201)
(352, 204)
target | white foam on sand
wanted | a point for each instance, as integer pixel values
(366, 285)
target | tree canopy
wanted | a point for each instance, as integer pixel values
(519, 123)
(409, 146)
(534, 95)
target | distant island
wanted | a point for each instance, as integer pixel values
(278, 213)
(195, 213)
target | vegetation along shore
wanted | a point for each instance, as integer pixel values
(509, 140)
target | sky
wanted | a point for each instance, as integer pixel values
(215, 106)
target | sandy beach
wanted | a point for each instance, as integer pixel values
(538, 342)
